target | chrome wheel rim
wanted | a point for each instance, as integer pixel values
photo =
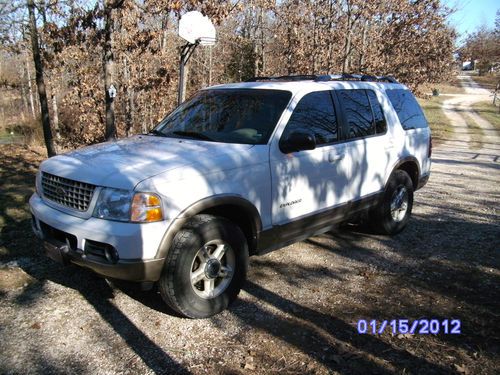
(399, 203)
(212, 269)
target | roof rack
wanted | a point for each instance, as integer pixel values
(300, 77)
(327, 77)
(355, 77)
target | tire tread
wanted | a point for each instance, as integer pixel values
(167, 280)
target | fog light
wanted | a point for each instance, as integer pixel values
(111, 254)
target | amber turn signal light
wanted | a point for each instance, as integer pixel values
(146, 208)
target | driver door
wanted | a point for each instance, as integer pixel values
(312, 181)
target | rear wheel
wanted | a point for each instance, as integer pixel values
(205, 267)
(392, 214)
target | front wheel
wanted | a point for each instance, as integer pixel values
(205, 267)
(392, 214)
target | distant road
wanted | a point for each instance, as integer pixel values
(466, 123)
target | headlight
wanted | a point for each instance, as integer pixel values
(124, 205)
(146, 207)
(113, 204)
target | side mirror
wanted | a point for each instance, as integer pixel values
(298, 141)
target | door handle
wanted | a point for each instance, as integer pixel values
(389, 145)
(335, 157)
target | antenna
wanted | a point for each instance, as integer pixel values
(196, 29)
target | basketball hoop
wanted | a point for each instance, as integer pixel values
(206, 41)
(196, 29)
(194, 26)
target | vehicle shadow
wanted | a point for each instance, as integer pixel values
(431, 270)
(324, 337)
(100, 294)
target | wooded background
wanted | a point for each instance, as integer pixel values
(134, 46)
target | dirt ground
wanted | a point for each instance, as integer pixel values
(298, 312)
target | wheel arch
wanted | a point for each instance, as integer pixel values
(235, 208)
(411, 166)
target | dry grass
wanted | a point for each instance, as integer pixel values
(440, 124)
(432, 106)
(449, 87)
(476, 133)
(17, 182)
(489, 81)
(489, 112)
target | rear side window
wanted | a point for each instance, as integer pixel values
(315, 113)
(407, 108)
(378, 114)
(358, 113)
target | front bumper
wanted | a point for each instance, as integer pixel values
(70, 239)
(140, 271)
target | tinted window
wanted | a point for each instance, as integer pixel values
(227, 115)
(378, 114)
(358, 113)
(315, 113)
(407, 108)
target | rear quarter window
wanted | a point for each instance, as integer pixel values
(407, 108)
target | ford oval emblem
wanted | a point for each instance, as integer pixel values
(60, 192)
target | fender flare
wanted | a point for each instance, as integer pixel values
(400, 162)
(205, 204)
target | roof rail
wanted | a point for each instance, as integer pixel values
(355, 77)
(300, 77)
(327, 77)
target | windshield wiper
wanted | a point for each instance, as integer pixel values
(156, 132)
(194, 135)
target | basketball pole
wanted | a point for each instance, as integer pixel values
(186, 52)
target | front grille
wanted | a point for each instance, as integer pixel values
(69, 193)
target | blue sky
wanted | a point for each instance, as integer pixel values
(471, 14)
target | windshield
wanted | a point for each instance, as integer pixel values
(226, 115)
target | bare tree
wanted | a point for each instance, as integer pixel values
(44, 107)
(133, 46)
(108, 63)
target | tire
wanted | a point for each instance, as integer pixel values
(392, 214)
(205, 268)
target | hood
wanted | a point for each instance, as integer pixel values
(123, 164)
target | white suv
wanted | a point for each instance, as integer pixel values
(237, 170)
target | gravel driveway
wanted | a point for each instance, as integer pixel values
(299, 308)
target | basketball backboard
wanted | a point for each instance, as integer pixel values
(194, 27)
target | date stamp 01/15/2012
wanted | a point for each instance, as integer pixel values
(404, 326)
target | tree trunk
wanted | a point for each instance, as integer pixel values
(210, 66)
(55, 117)
(129, 112)
(44, 108)
(364, 44)
(313, 54)
(164, 36)
(348, 38)
(347, 47)
(262, 43)
(255, 58)
(329, 62)
(24, 94)
(30, 89)
(43, 12)
(109, 88)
